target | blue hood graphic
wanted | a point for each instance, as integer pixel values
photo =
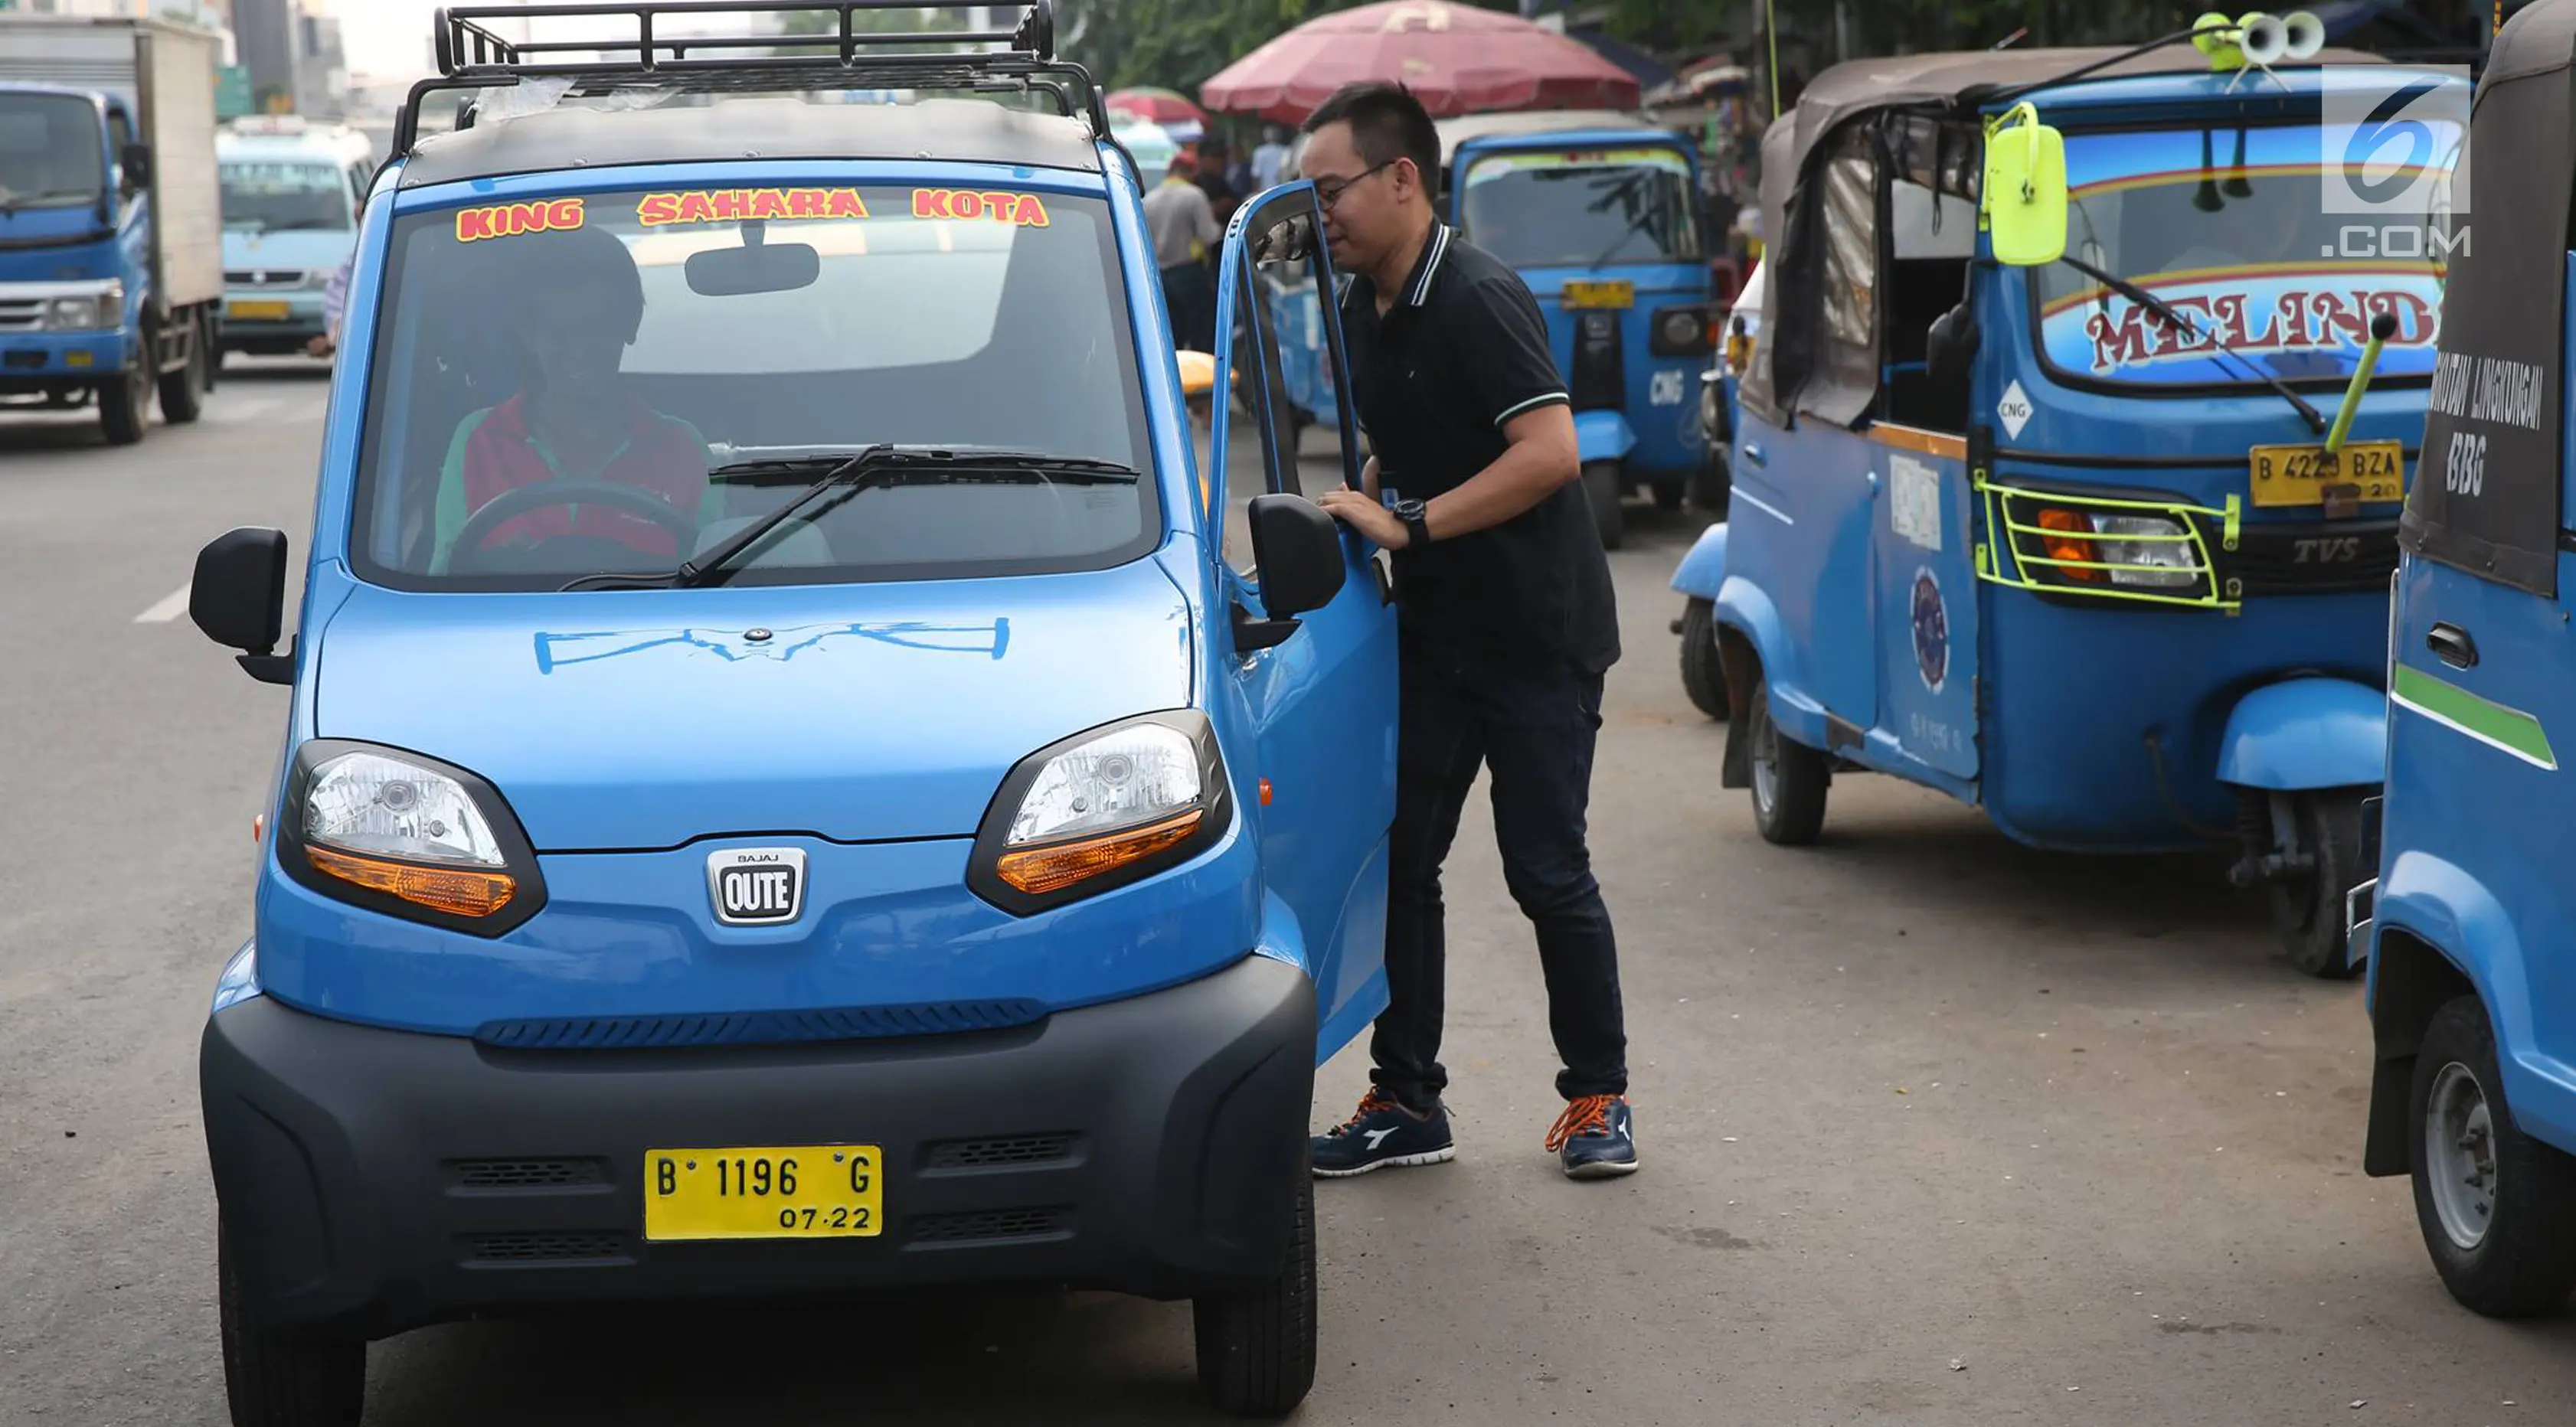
(619, 720)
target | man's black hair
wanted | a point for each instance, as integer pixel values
(1387, 123)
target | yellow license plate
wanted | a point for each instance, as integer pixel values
(768, 1192)
(2300, 475)
(1601, 294)
(257, 311)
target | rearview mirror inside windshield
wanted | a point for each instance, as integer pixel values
(763, 267)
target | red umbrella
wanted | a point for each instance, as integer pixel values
(1456, 59)
(1156, 106)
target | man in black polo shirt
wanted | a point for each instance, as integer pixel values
(1506, 625)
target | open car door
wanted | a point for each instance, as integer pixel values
(1322, 702)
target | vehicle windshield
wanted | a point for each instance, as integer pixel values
(49, 152)
(625, 348)
(2265, 254)
(1582, 208)
(285, 196)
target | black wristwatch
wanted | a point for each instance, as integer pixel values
(1417, 531)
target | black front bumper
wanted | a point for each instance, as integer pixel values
(372, 1181)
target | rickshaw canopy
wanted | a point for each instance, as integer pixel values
(2487, 497)
(1802, 184)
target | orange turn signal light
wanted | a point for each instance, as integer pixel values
(1040, 870)
(2063, 525)
(457, 891)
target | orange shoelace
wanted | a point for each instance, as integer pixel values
(1370, 1104)
(1585, 1115)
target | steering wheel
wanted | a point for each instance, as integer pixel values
(468, 554)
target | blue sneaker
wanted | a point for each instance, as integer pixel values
(1383, 1133)
(1594, 1138)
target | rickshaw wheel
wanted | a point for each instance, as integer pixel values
(2492, 1202)
(1601, 489)
(1703, 678)
(2308, 907)
(1668, 496)
(1789, 778)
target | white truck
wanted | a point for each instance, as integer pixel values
(111, 227)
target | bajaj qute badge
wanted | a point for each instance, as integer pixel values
(1931, 632)
(757, 886)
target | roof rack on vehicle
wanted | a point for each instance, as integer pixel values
(471, 56)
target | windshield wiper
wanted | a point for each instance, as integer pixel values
(2176, 317)
(848, 473)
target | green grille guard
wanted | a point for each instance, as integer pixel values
(2010, 511)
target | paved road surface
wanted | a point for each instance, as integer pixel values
(1909, 1099)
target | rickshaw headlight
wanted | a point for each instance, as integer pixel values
(2066, 536)
(2158, 542)
(1681, 331)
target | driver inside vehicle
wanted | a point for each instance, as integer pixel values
(577, 302)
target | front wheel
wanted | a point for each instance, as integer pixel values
(1601, 489)
(2496, 1207)
(279, 1378)
(183, 389)
(2324, 827)
(125, 403)
(1789, 778)
(1703, 677)
(1256, 1349)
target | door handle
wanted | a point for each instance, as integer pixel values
(1754, 454)
(1873, 485)
(2452, 645)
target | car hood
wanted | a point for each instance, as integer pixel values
(618, 720)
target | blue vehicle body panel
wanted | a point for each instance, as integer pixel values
(627, 728)
(2304, 734)
(1702, 572)
(1658, 437)
(2471, 827)
(1602, 436)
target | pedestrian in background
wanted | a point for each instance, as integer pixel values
(335, 301)
(1220, 190)
(1269, 158)
(1185, 230)
(1506, 627)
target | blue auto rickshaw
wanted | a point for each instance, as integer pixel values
(1601, 216)
(2046, 497)
(2470, 924)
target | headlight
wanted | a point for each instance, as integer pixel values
(1680, 331)
(94, 312)
(2155, 541)
(1100, 810)
(406, 835)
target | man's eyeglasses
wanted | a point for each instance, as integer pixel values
(1329, 193)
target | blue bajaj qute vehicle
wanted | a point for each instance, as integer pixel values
(1603, 223)
(2470, 925)
(2056, 509)
(786, 791)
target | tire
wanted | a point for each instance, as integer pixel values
(1710, 484)
(125, 403)
(1601, 489)
(1703, 677)
(1789, 778)
(1256, 1350)
(183, 392)
(1668, 496)
(2308, 909)
(2521, 1258)
(278, 1378)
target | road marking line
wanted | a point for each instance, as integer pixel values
(167, 609)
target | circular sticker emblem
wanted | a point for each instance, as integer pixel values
(1931, 631)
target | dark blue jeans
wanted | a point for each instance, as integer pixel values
(1534, 730)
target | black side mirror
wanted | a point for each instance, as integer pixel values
(137, 162)
(1298, 549)
(1951, 343)
(238, 599)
